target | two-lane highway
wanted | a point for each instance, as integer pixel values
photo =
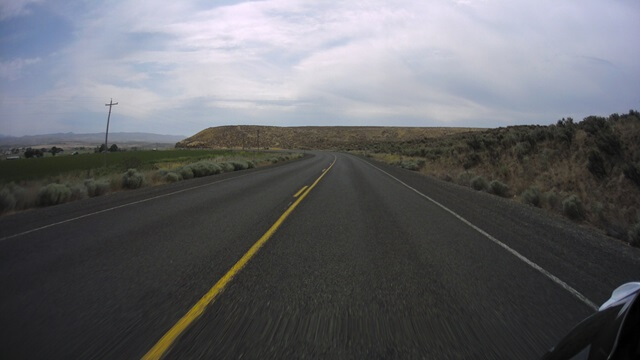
(373, 262)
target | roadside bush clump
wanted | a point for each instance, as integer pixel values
(572, 208)
(16, 196)
(186, 172)
(251, 164)
(410, 165)
(464, 178)
(96, 188)
(531, 196)
(53, 194)
(213, 168)
(239, 165)
(78, 192)
(7, 200)
(173, 177)
(479, 183)
(551, 197)
(499, 188)
(634, 235)
(226, 167)
(13, 197)
(204, 168)
(132, 179)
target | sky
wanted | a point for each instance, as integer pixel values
(178, 67)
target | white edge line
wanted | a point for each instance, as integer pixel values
(117, 207)
(549, 275)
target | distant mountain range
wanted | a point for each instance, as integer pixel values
(89, 139)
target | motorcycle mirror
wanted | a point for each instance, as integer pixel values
(620, 293)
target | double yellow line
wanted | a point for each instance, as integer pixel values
(165, 343)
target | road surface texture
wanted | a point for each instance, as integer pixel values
(371, 262)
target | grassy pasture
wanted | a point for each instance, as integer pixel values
(27, 183)
(38, 168)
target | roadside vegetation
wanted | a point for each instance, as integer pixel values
(587, 171)
(46, 181)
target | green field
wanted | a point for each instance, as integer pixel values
(39, 168)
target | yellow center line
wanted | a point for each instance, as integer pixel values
(300, 191)
(163, 345)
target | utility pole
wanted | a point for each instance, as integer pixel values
(106, 136)
(258, 139)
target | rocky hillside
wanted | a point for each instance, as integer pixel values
(308, 137)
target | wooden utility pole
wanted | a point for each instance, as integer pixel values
(106, 136)
(258, 139)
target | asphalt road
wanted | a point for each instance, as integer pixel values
(374, 262)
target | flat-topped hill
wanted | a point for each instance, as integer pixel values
(308, 137)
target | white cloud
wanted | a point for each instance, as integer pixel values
(417, 63)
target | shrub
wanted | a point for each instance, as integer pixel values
(609, 143)
(523, 149)
(478, 183)
(509, 140)
(186, 172)
(464, 178)
(239, 165)
(204, 168)
(499, 188)
(251, 164)
(7, 200)
(226, 167)
(78, 192)
(53, 194)
(565, 131)
(595, 165)
(410, 165)
(594, 124)
(96, 188)
(173, 177)
(531, 196)
(552, 199)
(475, 143)
(21, 196)
(632, 172)
(14, 197)
(572, 208)
(132, 179)
(471, 160)
(634, 235)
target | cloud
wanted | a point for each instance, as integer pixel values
(440, 62)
